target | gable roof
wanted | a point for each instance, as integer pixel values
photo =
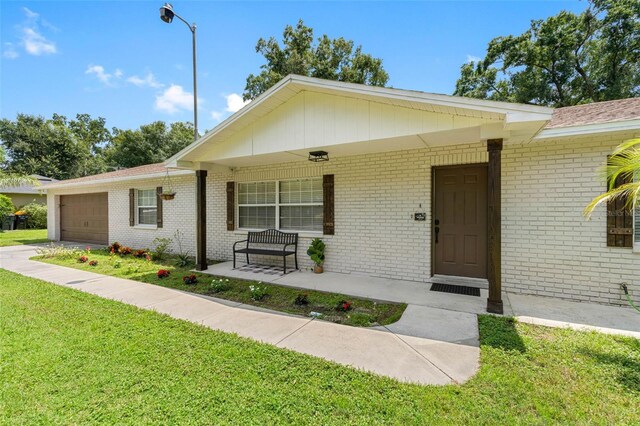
(595, 113)
(293, 84)
(140, 172)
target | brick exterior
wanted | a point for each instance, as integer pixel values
(548, 246)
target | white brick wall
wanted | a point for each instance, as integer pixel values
(178, 213)
(548, 246)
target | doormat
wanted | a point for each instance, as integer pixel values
(456, 289)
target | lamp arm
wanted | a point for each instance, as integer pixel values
(192, 28)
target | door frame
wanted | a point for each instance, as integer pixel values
(433, 210)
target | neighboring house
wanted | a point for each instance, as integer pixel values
(25, 194)
(417, 185)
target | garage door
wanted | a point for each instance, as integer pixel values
(84, 218)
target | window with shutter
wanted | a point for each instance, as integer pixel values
(619, 221)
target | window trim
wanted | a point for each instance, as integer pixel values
(137, 210)
(277, 205)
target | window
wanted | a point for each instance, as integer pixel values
(147, 207)
(286, 205)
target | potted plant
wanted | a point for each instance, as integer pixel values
(316, 253)
(167, 195)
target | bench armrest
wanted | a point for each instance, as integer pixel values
(238, 242)
(291, 244)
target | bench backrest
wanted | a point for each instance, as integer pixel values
(272, 236)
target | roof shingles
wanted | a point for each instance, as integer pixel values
(595, 113)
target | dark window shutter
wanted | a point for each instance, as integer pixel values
(231, 206)
(159, 207)
(619, 220)
(132, 207)
(328, 227)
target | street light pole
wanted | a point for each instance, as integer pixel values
(167, 14)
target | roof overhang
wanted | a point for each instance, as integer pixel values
(99, 182)
(490, 119)
(590, 129)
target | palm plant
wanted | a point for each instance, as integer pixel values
(623, 165)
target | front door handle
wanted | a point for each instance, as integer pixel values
(437, 230)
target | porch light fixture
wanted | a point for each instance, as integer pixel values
(317, 156)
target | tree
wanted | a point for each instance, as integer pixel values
(564, 60)
(623, 165)
(37, 146)
(55, 147)
(333, 59)
(151, 143)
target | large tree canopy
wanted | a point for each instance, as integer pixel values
(564, 60)
(65, 149)
(151, 143)
(333, 59)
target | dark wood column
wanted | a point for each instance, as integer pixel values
(494, 234)
(201, 220)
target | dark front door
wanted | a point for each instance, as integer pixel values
(460, 221)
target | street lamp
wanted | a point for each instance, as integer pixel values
(167, 14)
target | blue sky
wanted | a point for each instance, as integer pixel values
(118, 60)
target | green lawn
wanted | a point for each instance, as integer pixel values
(22, 236)
(362, 312)
(74, 358)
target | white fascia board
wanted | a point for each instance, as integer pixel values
(99, 182)
(615, 126)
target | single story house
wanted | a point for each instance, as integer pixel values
(416, 186)
(26, 194)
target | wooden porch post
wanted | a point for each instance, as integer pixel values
(494, 213)
(201, 220)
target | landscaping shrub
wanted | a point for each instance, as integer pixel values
(258, 292)
(57, 250)
(220, 285)
(93, 263)
(37, 215)
(140, 253)
(114, 248)
(343, 306)
(301, 299)
(6, 206)
(163, 273)
(190, 279)
(124, 250)
(83, 259)
(161, 248)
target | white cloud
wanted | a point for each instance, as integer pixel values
(235, 102)
(100, 73)
(32, 39)
(149, 80)
(216, 115)
(174, 99)
(472, 58)
(9, 51)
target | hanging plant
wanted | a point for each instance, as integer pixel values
(169, 193)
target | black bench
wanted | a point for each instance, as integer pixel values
(270, 237)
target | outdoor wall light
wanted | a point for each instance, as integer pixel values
(317, 156)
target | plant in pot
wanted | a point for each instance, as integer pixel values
(316, 253)
(167, 194)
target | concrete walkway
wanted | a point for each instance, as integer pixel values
(421, 320)
(427, 346)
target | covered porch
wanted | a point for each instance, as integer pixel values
(382, 146)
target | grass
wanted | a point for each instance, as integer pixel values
(363, 312)
(74, 358)
(22, 236)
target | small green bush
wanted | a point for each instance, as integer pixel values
(37, 215)
(6, 206)
(161, 247)
(220, 285)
